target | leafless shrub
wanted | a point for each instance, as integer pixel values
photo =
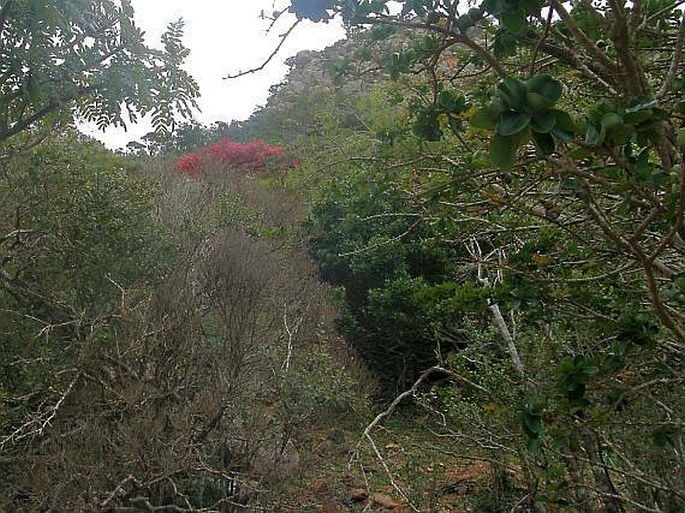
(193, 398)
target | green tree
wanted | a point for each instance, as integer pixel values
(571, 209)
(86, 59)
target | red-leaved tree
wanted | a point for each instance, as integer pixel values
(231, 155)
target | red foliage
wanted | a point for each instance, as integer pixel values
(253, 156)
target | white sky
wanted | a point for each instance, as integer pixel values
(224, 37)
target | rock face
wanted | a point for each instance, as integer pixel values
(337, 68)
(353, 65)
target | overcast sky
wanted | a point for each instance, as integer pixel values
(224, 37)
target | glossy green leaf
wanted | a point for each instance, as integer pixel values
(503, 151)
(546, 86)
(513, 123)
(543, 121)
(513, 92)
(565, 121)
(538, 102)
(595, 135)
(611, 121)
(496, 7)
(544, 142)
(451, 102)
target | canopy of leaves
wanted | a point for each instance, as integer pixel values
(88, 59)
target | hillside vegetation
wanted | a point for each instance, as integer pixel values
(440, 270)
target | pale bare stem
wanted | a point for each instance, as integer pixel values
(633, 503)
(122, 291)
(49, 327)
(398, 214)
(655, 296)
(274, 19)
(569, 56)
(41, 420)
(633, 475)
(16, 234)
(652, 18)
(488, 445)
(482, 52)
(388, 472)
(519, 503)
(509, 340)
(670, 237)
(273, 54)
(646, 223)
(411, 391)
(292, 333)
(476, 253)
(120, 491)
(389, 411)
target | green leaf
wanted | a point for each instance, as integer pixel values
(595, 135)
(565, 121)
(505, 44)
(534, 445)
(544, 121)
(533, 424)
(513, 92)
(544, 143)
(464, 23)
(513, 122)
(427, 125)
(482, 120)
(503, 151)
(515, 21)
(538, 102)
(681, 138)
(533, 405)
(451, 102)
(611, 121)
(635, 118)
(546, 86)
(496, 7)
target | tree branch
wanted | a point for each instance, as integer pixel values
(583, 40)
(675, 62)
(273, 54)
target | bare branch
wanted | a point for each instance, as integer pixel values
(273, 54)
